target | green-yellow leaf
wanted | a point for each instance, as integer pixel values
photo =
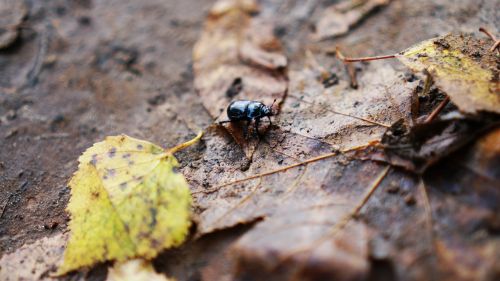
(461, 66)
(126, 202)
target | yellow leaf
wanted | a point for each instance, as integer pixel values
(461, 66)
(126, 202)
(134, 270)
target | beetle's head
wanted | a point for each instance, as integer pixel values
(269, 110)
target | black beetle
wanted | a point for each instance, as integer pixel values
(246, 110)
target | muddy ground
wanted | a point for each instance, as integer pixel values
(84, 69)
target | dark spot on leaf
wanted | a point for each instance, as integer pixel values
(94, 159)
(95, 195)
(153, 217)
(123, 185)
(111, 172)
(140, 147)
(126, 155)
(112, 152)
(106, 250)
(155, 244)
(442, 43)
(130, 163)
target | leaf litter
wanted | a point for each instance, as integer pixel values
(460, 65)
(307, 196)
(339, 18)
(374, 220)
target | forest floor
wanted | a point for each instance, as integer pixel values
(85, 69)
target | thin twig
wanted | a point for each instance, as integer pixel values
(343, 58)
(492, 37)
(428, 215)
(345, 114)
(351, 70)
(243, 200)
(315, 159)
(437, 110)
(428, 83)
(344, 220)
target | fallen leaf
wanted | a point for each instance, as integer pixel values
(461, 66)
(339, 18)
(238, 47)
(35, 261)
(126, 202)
(12, 13)
(297, 204)
(134, 270)
(464, 194)
(422, 145)
(313, 120)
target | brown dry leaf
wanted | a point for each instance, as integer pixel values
(463, 67)
(304, 228)
(36, 261)
(314, 120)
(418, 147)
(238, 57)
(464, 194)
(12, 13)
(301, 204)
(337, 19)
(343, 117)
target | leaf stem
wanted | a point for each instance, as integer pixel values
(185, 144)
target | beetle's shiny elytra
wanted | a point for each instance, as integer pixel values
(246, 110)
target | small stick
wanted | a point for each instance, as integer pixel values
(351, 70)
(492, 37)
(343, 114)
(437, 110)
(429, 220)
(428, 83)
(342, 223)
(344, 59)
(312, 160)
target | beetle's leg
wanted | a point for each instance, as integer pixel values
(257, 122)
(245, 129)
(270, 123)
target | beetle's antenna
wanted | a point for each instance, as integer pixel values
(271, 107)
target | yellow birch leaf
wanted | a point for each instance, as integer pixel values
(134, 270)
(462, 67)
(126, 202)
